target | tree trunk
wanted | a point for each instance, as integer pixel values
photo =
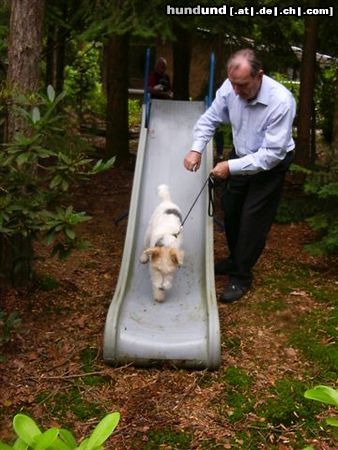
(24, 52)
(23, 76)
(220, 60)
(307, 85)
(181, 63)
(55, 64)
(335, 125)
(117, 142)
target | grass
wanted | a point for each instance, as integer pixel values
(46, 283)
(314, 332)
(88, 357)
(287, 406)
(289, 278)
(167, 439)
(315, 337)
(235, 401)
(71, 400)
(232, 344)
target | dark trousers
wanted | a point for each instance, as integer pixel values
(250, 203)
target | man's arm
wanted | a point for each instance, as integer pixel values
(205, 128)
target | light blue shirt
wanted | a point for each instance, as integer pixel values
(261, 128)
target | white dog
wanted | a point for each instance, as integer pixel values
(162, 244)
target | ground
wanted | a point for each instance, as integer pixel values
(276, 342)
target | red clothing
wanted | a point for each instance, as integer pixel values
(156, 79)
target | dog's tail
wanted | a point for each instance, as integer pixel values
(163, 192)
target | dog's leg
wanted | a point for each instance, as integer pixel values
(159, 294)
(144, 257)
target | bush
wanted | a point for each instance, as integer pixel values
(323, 185)
(83, 79)
(38, 170)
(326, 101)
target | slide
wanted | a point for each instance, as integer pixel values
(183, 331)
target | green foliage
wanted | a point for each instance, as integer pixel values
(327, 395)
(74, 401)
(38, 169)
(168, 439)
(46, 282)
(323, 186)
(325, 100)
(8, 324)
(134, 112)
(286, 406)
(83, 79)
(235, 401)
(317, 333)
(296, 208)
(29, 435)
(292, 85)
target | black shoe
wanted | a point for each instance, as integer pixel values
(232, 293)
(224, 267)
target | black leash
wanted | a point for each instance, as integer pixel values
(210, 182)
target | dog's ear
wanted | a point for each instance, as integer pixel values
(153, 252)
(176, 256)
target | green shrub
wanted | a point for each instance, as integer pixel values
(325, 95)
(83, 80)
(38, 170)
(323, 185)
(327, 395)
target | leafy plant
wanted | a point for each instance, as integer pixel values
(323, 185)
(82, 77)
(327, 395)
(29, 435)
(325, 100)
(37, 172)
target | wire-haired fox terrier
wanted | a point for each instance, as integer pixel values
(162, 244)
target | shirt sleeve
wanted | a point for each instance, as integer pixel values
(206, 125)
(275, 144)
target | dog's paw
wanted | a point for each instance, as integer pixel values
(143, 258)
(159, 295)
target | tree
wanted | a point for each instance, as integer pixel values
(181, 57)
(24, 52)
(56, 43)
(23, 76)
(117, 140)
(335, 124)
(307, 85)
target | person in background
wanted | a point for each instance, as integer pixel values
(159, 84)
(261, 113)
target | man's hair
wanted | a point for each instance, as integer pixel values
(250, 56)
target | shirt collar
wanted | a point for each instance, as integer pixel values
(263, 94)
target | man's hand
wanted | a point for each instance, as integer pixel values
(192, 161)
(221, 170)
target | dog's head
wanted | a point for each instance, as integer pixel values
(164, 263)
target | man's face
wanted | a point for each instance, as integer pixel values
(244, 84)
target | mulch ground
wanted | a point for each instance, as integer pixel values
(44, 358)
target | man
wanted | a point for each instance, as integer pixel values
(261, 112)
(159, 82)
